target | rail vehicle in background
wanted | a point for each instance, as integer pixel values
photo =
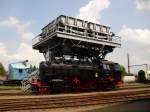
(74, 52)
(143, 76)
(17, 71)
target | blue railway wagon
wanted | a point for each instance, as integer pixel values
(17, 71)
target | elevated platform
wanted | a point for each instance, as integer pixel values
(38, 41)
(76, 29)
(76, 38)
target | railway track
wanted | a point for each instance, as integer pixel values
(20, 93)
(14, 94)
(51, 102)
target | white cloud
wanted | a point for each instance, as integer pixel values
(138, 35)
(24, 52)
(92, 10)
(21, 27)
(143, 5)
(135, 41)
(2, 48)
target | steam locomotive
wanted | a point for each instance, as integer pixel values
(74, 52)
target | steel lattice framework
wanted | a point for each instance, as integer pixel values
(71, 37)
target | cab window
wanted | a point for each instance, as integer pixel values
(117, 67)
(106, 67)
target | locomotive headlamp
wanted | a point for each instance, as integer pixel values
(96, 75)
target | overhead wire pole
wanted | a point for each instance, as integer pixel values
(128, 63)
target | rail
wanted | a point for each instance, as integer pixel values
(49, 102)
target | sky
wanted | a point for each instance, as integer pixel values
(22, 20)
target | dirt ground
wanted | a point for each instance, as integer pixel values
(96, 108)
(137, 106)
(73, 109)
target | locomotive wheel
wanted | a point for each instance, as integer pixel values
(35, 89)
(57, 85)
(114, 87)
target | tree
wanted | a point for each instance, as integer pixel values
(123, 71)
(2, 70)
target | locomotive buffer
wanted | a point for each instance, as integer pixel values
(73, 49)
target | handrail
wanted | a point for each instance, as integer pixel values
(114, 39)
(36, 40)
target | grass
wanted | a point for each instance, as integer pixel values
(135, 85)
(10, 87)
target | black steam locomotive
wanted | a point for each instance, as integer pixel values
(75, 52)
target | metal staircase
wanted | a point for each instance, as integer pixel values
(26, 84)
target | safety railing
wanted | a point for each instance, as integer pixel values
(36, 40)
(116, 39)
